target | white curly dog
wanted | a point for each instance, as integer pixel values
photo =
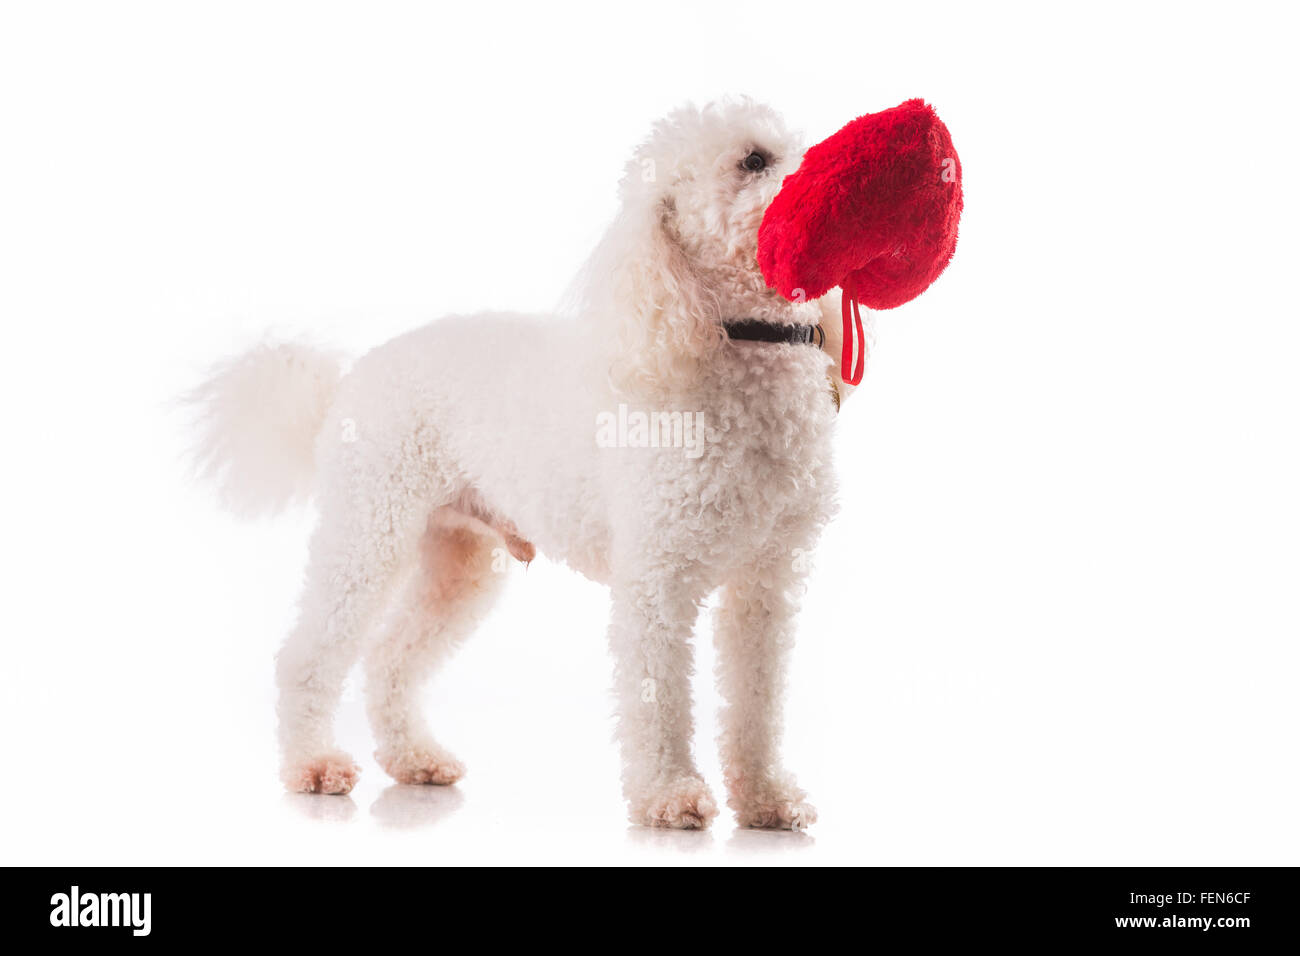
(629, 437)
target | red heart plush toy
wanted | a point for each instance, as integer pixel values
(873, 210)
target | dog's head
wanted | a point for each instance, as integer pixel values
(702, 181)
(709, 196)
(681, 258)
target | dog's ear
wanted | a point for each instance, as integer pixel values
(668, 319)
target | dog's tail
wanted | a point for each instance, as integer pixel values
(257, 418)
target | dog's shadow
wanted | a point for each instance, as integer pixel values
(413, 807)
(742, 840)
(748, 840)
(399, 807)
(321, 807)
(660, 838)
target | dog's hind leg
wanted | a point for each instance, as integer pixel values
(461, 571)
(357, 554)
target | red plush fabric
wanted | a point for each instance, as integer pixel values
(873, 209)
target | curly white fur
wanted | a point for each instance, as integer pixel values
(479, 432)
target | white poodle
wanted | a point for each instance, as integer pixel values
(632, 438)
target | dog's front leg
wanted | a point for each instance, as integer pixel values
(650, 631)
(754, 632)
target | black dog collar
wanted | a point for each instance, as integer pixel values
(756, 330)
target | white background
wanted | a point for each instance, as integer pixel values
(1056, 620)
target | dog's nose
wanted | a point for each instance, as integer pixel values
(872, 209)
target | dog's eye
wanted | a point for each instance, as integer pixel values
(754, 162)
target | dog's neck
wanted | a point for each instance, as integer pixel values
(741, 293)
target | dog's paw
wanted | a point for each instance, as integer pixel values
(325, 773)
(684, 804)
(419, 765)
(769, 800)
(795, 814)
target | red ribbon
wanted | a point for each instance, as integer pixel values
(850, 371)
